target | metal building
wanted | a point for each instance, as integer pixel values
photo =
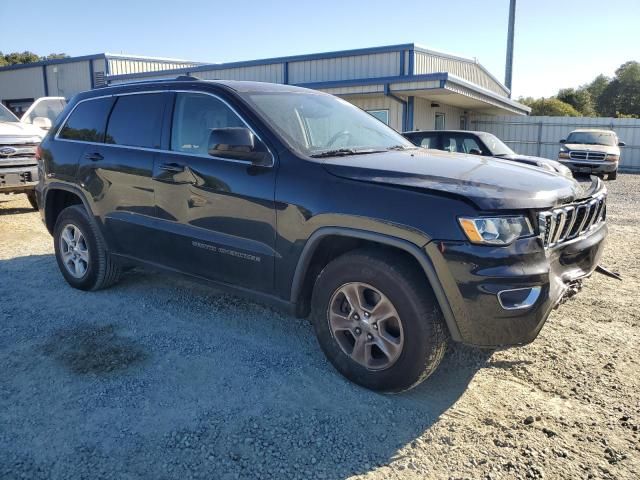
(406, 86)
(21, 84)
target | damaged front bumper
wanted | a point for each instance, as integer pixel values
(502, 296)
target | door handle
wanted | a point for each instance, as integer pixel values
(94, 157)
(172, 167)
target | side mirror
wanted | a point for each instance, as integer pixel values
(563, 140)
(475, 151)
(238, 143)
(622, 144)
(42, 122)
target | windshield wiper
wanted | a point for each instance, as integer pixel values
(400, 147)
(341, 152)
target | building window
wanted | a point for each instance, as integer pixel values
(382, 115)
(463, 122)
(439, 121)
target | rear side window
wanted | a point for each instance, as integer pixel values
(194, 116)
(88, 120)
(136, 120)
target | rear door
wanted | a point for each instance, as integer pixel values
(117, 173)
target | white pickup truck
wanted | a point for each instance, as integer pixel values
(19, 139)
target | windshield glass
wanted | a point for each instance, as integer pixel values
(495, 145)
(44, 107)
(592, 138)
(6, 115)
(316, 124)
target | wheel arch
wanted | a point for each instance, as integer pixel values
(59, 196)
(304, 273)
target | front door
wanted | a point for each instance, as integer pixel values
(216, 216)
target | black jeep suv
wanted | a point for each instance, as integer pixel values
(302, 200)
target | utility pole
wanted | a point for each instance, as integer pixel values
(508, 71)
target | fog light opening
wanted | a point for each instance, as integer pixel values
(519, 298)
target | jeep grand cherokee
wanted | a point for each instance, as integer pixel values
(300, 199)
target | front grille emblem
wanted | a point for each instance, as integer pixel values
(8, 151)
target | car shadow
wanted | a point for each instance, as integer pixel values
(159, 377)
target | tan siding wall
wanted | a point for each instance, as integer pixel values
(381, 103)
(424, 115)
(472, 72)
(22, 83)
(345, 68)
(273, 73)
(67, 79)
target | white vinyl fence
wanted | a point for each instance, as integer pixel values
(540, 136)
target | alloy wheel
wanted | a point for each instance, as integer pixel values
(74, 251)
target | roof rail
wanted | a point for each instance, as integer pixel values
(186, 78)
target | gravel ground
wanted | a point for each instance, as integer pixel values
(160, 378)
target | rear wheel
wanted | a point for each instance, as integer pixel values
(32, 199)
(377, 320)
(82, 257)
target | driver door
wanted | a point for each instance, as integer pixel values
(216, 216)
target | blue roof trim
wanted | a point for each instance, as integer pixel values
(440, 76)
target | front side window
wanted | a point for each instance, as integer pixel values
(88, 120)
(461, 143)
(194, 116)
(136, 120)
(429, 141)
(496, 147)
(318, 124)
(382, 115)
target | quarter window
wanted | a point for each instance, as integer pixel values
(136, 120)
(194, 116)
(88, 120)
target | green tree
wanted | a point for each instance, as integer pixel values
(579, 98)
(621, 97)
(55, 56)
(21, 57)
(549, 107)
(597, 86)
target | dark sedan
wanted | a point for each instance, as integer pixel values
(479, 143)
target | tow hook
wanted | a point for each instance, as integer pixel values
(608, 273)
(571, 291)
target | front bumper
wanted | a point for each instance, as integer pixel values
(579, 166)
(18, 179)
(472, 276)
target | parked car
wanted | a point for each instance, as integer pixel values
(479, 143)
(297, 198)
(592, 151)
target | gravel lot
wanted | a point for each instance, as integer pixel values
(161, 378)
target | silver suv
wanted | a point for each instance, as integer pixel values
(592, 151)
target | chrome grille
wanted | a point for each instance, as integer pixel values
(566, 223)
(585, 155)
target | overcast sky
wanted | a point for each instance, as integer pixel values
(561, 43)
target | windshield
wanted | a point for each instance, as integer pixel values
(592, 138)
(496, 147)
(6, 115)
(44, 107)
(317, 124)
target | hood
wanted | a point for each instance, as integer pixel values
(612, 149)
(18, 132)
(551, 165)
(490, 183)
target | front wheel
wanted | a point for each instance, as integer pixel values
(377, 320)
(612, 175)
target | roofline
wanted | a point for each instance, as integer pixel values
(96, 56)
(54, 61)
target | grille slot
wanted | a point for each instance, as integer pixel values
(566, 223)
(585, 155)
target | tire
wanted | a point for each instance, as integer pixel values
(96, 269)
(416, 322)
(32, 199)
(612, 175)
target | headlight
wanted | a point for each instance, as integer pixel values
(564, 171)
(612, 157)
(495, 231)
(546, 166)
